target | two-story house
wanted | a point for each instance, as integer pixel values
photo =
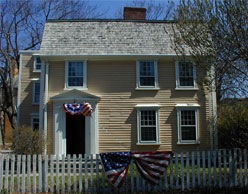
(143, 96)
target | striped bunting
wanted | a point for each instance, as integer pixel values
(77, 109)
(151, 165)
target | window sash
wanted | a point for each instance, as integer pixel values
(146, 74)
(36, 92)
(185, 75)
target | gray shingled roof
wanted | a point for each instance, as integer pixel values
(106, 38)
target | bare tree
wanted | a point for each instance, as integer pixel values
(154, 10)
(215, 34)
(21, 27)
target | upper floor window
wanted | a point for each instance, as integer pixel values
(148, 128)
(146, 75)
(36, 92)
(185, 75)
(35, 121)
(187, 125)
(37, 64)
(76, 74)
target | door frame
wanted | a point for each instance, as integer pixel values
(59, 127)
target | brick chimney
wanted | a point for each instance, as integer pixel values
(134, 13)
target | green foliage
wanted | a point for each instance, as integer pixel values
(233, 126)
(27, 141)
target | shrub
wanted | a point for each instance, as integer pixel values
(27, 141)
(233, 125)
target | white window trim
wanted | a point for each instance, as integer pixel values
(179, 132)
(33, 116)
(138, 86)
(147, 107)
(35, 81)
(178, 87)
(35, 63)
(84, 87)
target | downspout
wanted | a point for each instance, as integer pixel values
(45, 108)
(19, 91)
(41, 108)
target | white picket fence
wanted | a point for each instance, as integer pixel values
(66, 174)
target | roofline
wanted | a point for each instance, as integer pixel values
(117, 55)
(29, 52)
(110, 20)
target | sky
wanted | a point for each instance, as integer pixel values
(111, 6)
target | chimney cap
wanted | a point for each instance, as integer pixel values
(134, 13)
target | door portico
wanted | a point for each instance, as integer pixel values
(59, 121)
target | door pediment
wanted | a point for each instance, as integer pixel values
(75, 95)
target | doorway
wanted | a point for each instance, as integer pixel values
(75, 134)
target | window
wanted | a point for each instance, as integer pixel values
(146, 74)
(76, 74)
(35, 121)
(36, 92)
(148, 125)
(185, 75)
(37, 64)
(187, 125)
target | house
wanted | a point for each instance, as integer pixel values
(143, 96)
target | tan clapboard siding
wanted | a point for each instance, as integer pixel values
(26, 106)
(115, 82)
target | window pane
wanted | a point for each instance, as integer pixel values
(38, 60)
(38, 66)
(75, 69)
(148, 133)
(188, 133)
(187, 117)
(35, 124)
(75, 81)
(36, 92)
(147, 81)
(148, 125)
(186, 75)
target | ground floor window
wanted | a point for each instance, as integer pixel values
(35, 121)
(148, 127)
(187, 125)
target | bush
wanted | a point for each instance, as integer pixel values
(27, 141)
(233, 126)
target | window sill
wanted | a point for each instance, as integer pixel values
(147, 88)
(188, 143)
(189, 89)
(36, 71)
(77, 88)
(147, 144)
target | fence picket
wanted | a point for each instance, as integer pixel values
(51, 174)
(40, 173)
(219, 167)
(68, 173)
(203, 169)
(34, 172)
(182, 170)
(193, 169)
(215, 172)
(171, 173)
(209, 169)
(230, 168)
(57, 173)
(23, 173)
(165, 179)
(6, 181)
(187, 167)
(1, 170)
(12, 173)
(137, 181)
(74, 174)
(132, 178)
(63, 174)
(86, 173)
(198, 169)
(176, 168)
(103, 178)
(91, 172)
(225, 168)
(240, 168)
(80, 174)
(28, 171)
(245, 167)
(46, 174)
(235, 168)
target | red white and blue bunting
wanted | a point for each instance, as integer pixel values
(77, 109)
